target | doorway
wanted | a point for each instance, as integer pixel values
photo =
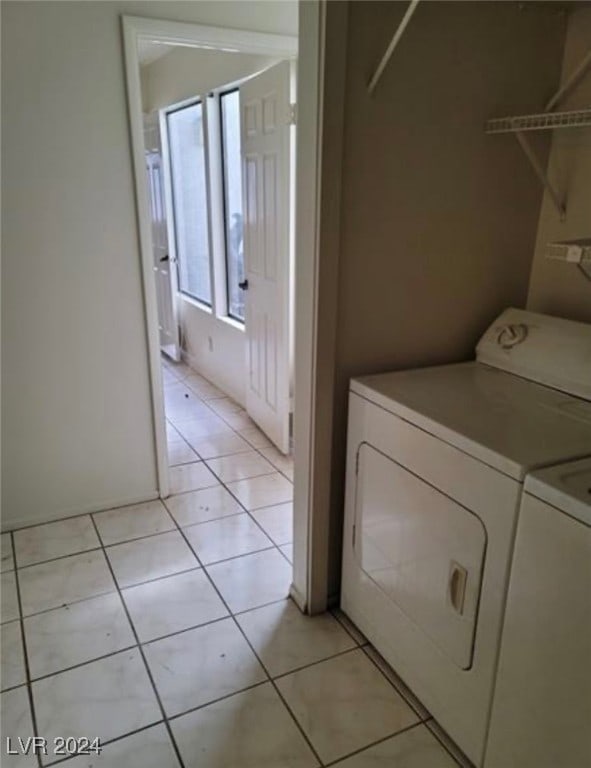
(165, 33)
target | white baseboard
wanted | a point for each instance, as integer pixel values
(235, 393)
(99, 506)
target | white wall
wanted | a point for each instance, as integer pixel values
(558, 288)
(77, 429)
(214, 346)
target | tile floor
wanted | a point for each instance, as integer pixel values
(166, 630)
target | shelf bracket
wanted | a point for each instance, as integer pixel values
(539, 171)
(393, 43)
(571, 81)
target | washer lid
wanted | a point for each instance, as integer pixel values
(566, 487)
(507, 422)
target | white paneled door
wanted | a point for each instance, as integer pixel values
(265, 133)
(167, 320)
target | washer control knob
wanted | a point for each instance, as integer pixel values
(512, 335)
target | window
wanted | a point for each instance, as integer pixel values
(189, 190)
(205, 166)
(232, 186)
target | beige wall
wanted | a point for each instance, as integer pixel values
(558, 288)
(438, 220)
(212, 345)
(76, 416)
(184, 73)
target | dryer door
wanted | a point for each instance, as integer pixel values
(425, 551)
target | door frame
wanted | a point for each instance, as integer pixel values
(311, 530)
(135, 29)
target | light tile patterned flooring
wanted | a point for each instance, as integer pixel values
(166, 629)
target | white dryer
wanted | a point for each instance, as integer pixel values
(435, 468)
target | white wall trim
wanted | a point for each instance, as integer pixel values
(222, 38)
(309, 131)
(298, 598)
(134, 96)
(320, 112)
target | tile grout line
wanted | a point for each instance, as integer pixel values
(28, 682)
(255, 448)
(237, 433)
(84, 663)
(142, 654)
(358, 646)
(118, 589)
(237, 624)
(347, 629)
(442, 743)
(242, 511)
(336, 655)
(197, 567)
(223, 484)
(269, 678)
(248, 512)
(295, 720)
(106, 743)
(232, 615)
(25, 567)
(406, 697)
(373, 744)
(402, 693)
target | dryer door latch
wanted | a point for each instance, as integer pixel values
(456, 587)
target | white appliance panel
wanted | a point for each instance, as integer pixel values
(422, 549)
(436, 461)
(567, 487)
(507, 422)
(542, 702)
(549, 350)
(459, 699)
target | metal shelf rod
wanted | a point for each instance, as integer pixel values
(539, 171)
(571, 81)
(393, 43)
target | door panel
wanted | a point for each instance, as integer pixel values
(265, 126)
(167, 320)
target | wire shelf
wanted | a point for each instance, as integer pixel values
(574, 251)
(580, 118)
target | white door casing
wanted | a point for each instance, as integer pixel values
(265, 133)
(162, 266)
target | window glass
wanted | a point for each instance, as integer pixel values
(189, 189)
(232, 179)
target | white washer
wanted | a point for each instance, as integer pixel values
(542, 703)
(435, 468)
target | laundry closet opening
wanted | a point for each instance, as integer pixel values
(219, 141)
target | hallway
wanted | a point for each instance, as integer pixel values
(164, 629)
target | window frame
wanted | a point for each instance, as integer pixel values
(216, 205)
(220, 94)
(208, 306)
